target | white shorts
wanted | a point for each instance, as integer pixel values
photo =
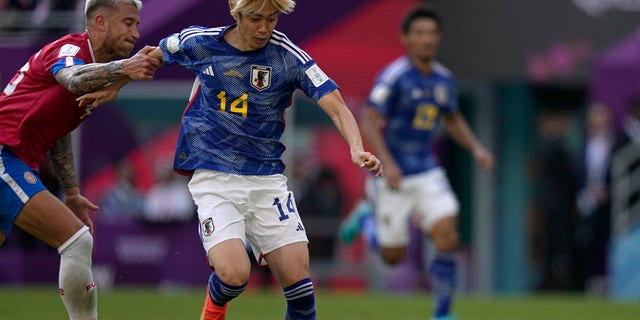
(259, 209)
(423, 198)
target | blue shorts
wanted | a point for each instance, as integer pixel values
(18, 183)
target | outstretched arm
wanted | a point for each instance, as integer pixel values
(459, 130)
(337, 109)
(370, 122)
(82, 79)
(62, 161)
(110, 92)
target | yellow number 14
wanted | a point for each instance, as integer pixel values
(239, 105)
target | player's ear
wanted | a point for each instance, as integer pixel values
(232, 5)
(100, 22)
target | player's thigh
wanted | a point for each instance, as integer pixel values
(435, 198)
(392, 211)
(24, 201)
(289, 263)
(45, 217)
(220, 218)
(2, 237)
(273, 220)
(230, 260)
(438, 209)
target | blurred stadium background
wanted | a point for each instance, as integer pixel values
(516, 61)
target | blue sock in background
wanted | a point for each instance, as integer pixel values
(369, 231)
(443, 279)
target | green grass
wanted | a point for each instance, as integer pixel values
(150, 303)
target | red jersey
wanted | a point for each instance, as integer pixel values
(35, 110)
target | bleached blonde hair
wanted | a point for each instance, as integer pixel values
(92, 5)
(246, 6)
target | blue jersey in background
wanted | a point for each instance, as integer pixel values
(413, 103)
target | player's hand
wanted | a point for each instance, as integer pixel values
(99, 97)
(79, 205)
(367, 160)
(484, 158)
(147, 49)
(141, 66)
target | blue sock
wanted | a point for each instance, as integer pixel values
(443, 279)
(301, 301)
(221, 292)
(369, 230)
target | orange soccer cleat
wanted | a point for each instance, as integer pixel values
(211, 311)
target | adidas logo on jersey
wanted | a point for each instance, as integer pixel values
(209, 71)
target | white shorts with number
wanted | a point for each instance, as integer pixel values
(260, 208)
(426, 197)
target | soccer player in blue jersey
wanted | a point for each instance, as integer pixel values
(409, 98)
(229, 142)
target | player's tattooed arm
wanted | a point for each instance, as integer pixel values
(89, 77)
(61, 156)
(62, 161)
(82, 79)
(110, 92)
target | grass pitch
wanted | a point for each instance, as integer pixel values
(160, 304)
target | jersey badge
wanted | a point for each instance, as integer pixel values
(380, 94)
(317, 76)
(441, 94)
(416, 94)
(68, 50)
(30, 177)
(173, 43)
(207, 227)
(260, 77)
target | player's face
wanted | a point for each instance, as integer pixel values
(122, 30)
(255, 28)
(422, 39)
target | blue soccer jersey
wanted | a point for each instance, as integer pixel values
(413, 102)
(235, 116)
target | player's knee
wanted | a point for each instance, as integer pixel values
(235, 275)
(80, 244)
(446, 240)
(393, 256)
(449, 244)
(444, 234)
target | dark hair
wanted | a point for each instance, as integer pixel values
(420, 12)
